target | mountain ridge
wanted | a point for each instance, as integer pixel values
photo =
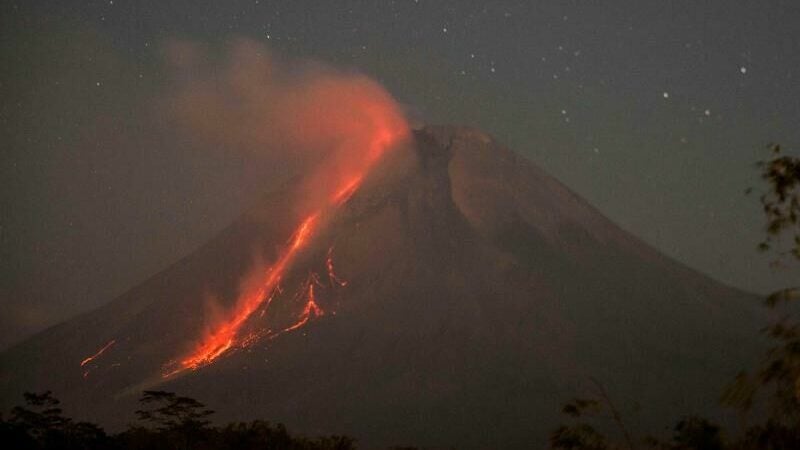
(475, 282)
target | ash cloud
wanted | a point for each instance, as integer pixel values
(305, 116)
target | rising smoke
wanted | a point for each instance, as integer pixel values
(332, 127)
(303, 115)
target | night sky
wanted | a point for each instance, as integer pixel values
(654, 111)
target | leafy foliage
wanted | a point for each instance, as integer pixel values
(781, 201)
(776, 381)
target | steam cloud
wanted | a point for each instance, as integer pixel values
(305, 115)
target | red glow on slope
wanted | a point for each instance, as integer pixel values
(219, 341)
(331, 273)
(344, 194)
(310, 310)
(224, 336)
(99, 352)
(359, 122)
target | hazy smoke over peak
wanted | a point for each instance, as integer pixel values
(304, 114)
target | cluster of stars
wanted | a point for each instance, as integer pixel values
(707, 111)
(560, 64)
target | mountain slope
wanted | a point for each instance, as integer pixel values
(470, 296)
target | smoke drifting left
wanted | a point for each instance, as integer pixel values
(302, 115)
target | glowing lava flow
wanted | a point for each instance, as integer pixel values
(99, 352)
(347, 191)
(311, 308)
(331, 273)
(225, 335)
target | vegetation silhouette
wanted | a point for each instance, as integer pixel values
(771, 390)
(166, 421)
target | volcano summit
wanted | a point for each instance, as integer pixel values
(456, 295)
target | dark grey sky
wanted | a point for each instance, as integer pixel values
(654, 111)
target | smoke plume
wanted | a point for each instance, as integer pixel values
(305, 116)
(329, 125)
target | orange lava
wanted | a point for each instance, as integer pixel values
(223, 338)
(377, 127)
(334, 280)
(99, 352)
(311, 309)
(347, 191)
(224, 335)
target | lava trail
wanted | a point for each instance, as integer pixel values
(311, 308)
(225, 335)
(332, 277)
(102, 350)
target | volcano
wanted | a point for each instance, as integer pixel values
(457, 297)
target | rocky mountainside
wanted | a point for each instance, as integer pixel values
(459, 297)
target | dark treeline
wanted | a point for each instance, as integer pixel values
(166, 422)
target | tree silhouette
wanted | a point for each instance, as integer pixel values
(697, 433)
(40, 424)
(168, 411)
(777, 379)
(182, 420)
(40, 416)
(168, 421)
